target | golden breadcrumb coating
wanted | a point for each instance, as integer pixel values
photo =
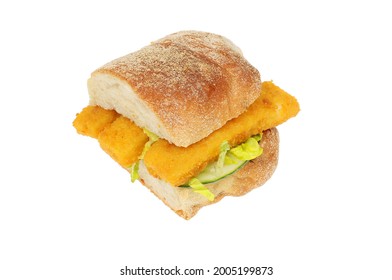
(93, 119)
(123, 140)
(177, 165)
(118, 136)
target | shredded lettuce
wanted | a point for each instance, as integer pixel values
(198, 187)
(231, 159)
(152, 138)
(224, 147)
(248, 150)
(134, 169)
(258, 137)
(135, 172)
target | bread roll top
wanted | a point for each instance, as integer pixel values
(181, 87)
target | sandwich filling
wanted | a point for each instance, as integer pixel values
(229, 161)
(218, 155)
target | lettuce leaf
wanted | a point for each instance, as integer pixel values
(224, 148)
(152, 138)
(198, 187)
(258, 137)
(248, 150)
(135, 172)
(134, 169)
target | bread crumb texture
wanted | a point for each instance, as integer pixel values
(93, 119)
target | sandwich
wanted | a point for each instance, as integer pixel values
(189, 118)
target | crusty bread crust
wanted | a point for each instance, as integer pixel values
(181, 87)
(187, 203)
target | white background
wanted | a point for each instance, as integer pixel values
(67, 211)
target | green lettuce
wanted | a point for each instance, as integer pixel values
(224, 148)
(198, 187)
(151, 139)
(135, 171)
(248, 150)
